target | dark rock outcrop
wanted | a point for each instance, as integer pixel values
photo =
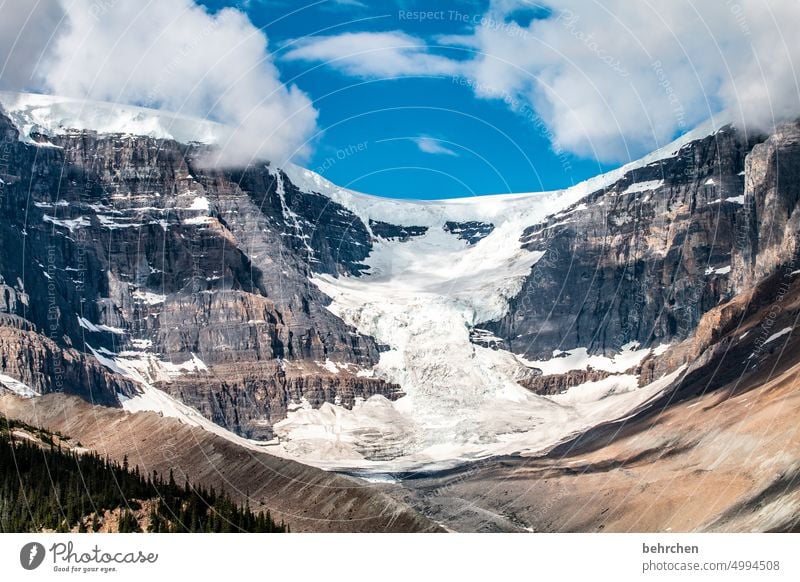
(395, 232)
(471, 231)
(560, 383)
(641, 260)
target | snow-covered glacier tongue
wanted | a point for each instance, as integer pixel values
(438, 277)
(422, 297)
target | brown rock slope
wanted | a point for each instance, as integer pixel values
(721, 452)
(307, 498)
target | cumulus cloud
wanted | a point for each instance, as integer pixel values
(617, 78)
(374, 54)
(175, 55)
(26, 33)
(610, 80)
(430, 145)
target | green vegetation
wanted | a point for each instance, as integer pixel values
(45, 486)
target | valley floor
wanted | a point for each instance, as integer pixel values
(725, 461)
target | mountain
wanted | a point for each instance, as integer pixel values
(290, 316)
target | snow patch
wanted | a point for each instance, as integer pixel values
(643, 186)
(115, 222)
(198, 221)
(99, 328)
(329, 366)
(17, 387)
(660, 349)
(149, 298)
(774, 336)
(579, 359)
(199, 203)
(718, 270)
(70, 224)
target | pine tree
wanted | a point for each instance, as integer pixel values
(54, 488)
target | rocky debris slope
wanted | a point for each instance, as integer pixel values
(308, 499)
(719, 453)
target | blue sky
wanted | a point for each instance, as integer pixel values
(424, 136)
(407, 98)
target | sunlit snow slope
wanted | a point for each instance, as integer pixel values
(422, 298)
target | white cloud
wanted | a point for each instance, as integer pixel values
(615, 79)
(610, 80)
(430, 145)
(175, 55)
(374, 54)
(356, 3)
(26, 31)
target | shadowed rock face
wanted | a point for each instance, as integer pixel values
(394, 232)
(123, 244)
(641, 260)
(471, 231)
(769, 233)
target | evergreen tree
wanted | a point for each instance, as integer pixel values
(50, 487)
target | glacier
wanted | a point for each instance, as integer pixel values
(421, 298)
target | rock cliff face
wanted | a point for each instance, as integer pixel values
(560, 383)
(120, 245)
(641, 260)
(45, 367)
(768, 237)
